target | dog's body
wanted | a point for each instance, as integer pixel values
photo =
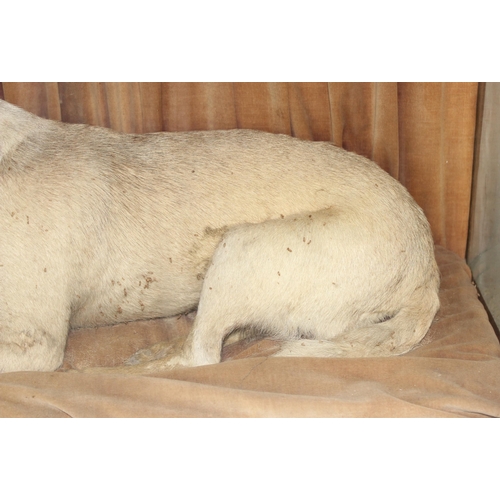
(303, 241)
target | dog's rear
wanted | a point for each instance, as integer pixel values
(300, 240)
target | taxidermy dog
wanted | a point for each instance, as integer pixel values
(296, 240)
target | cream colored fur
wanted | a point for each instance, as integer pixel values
(298, 240)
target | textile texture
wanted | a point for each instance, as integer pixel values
(454, 373)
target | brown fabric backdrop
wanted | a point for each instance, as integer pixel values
(421, 133)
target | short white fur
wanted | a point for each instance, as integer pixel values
(297, 240)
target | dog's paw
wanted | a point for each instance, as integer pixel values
(152, 353)
(158, 358)
(155, 352)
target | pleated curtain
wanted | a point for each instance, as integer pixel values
(421, 133)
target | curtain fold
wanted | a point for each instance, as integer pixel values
(421, 133)
(483, 253)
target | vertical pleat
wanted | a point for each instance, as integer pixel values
(263, 106)
(198, 106)
(309, 111)
(41, 99)
(151, 107)
(364, 119)
(437, 126)
(124, 106)
(84, 103)
(421, 133)
(134, 107)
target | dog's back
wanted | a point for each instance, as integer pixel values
(114, 227)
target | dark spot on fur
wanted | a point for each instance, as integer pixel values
(385, 317)
(215, 231)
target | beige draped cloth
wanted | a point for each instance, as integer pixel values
(456, 372)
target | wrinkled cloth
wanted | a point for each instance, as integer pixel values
(455, 372)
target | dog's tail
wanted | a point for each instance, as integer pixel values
(397, 335)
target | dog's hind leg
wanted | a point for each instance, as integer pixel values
(398, 335)
(274, 277)
(305, 281)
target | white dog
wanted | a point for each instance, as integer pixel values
(298, 240)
